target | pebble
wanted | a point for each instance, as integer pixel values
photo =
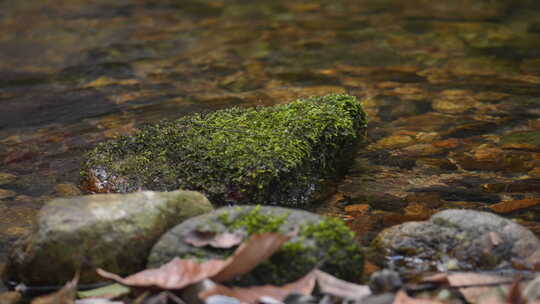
(7, 193)
(67, 189)
(395, 141)
(6, 178)
(452, 106)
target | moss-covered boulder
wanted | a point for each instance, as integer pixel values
(321, 242)
(111, 231)
(281, 155)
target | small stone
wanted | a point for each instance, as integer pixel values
(490, 96)
(421, 150)
(7, 193)
(452, 106)
(68, 189)
(395, 141)
(7, 178)
(535, 172)
(529, 140)
(384, 281)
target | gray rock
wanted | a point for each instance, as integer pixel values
(456, 240)
(321, 242)
(110, 231)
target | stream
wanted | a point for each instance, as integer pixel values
(452, 91)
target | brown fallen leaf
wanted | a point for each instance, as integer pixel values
(251, 295)
(331, 285)
(258, 248)
(476, 291)
(217, 240)
(179, 273)
(10, 297)
(66, 295)
(176, 274)
(403, 298)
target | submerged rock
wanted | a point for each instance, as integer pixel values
(321, 242)
(111, 231)
(457, 240)
(269, 155)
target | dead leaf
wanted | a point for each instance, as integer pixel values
(403, 298)
(515, 294)
(217, 240)
(10, 297)
(258, 248)
(474, 293)
(97, 301)
(251, 295)
(334, 286)
(179, 273)
(66, 295)
(176, 274)
(106, 292)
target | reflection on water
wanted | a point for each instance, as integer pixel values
(452, 90)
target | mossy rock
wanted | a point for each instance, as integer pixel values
(110, 231)
(321, 242)
(280, 155)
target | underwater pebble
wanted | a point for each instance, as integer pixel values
(6, 178)
(395, 141)
(535, 172)
(452, 106)
(67, 189)
(7, 193)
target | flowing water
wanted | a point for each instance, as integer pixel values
(452, 90)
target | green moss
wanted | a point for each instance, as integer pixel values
(327, 244)
(254, 221)
(276, 155)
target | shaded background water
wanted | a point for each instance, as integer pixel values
(452, 89)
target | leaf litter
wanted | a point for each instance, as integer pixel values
(170, 283)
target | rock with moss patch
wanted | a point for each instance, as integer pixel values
(283, 155)
(457, 240)
(321, 242)
(111, 231)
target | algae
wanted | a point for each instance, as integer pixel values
(273, 155)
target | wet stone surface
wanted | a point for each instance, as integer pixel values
(451, 92)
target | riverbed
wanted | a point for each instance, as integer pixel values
(452, 91)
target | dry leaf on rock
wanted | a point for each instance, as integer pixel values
(179, 273)
(474, 294)
(331, 285)
(258, 248)
(97, 301)
(176, 274)
(10, 297)
(106, 292)
(66, 295)
(251, 295)
(214, 239)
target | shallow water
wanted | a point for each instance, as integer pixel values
(453, 92)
